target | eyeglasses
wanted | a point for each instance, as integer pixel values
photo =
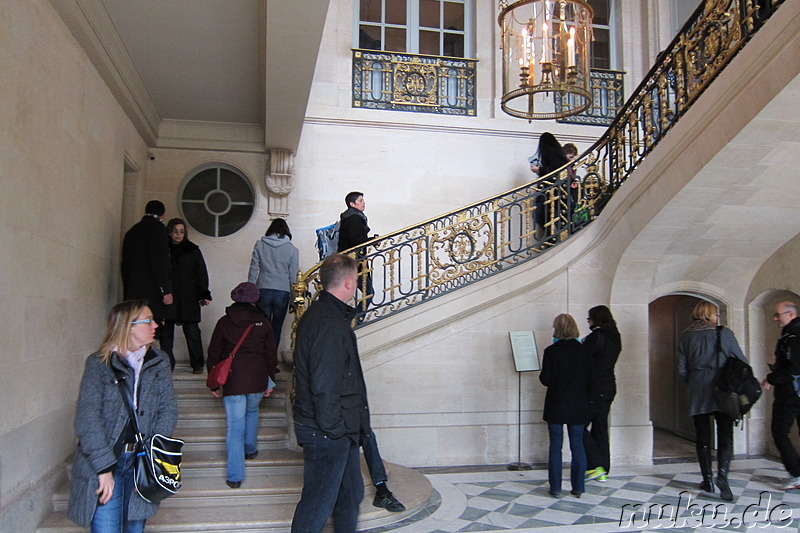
(778, 315)
(142, 321)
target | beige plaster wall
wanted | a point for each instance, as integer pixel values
(63, 145)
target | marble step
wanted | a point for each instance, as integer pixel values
(198, 439)
(207, 506)
(214, 417)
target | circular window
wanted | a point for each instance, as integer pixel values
(217, 201)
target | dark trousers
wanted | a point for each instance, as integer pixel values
(702, 426)
(596, 436)
(783, 416)
(274, 303)
(194, 342)
(332, 483)
(373, 458)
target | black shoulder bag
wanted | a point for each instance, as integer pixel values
(157, 467)
(736, 390)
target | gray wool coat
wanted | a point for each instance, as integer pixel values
(699, 363)
(100, 419)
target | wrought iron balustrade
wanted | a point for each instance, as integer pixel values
(410, 82)
(432, 258)
(607, 89)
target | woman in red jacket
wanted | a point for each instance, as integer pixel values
(251, 378)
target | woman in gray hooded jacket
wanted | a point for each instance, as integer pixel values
(273, 268)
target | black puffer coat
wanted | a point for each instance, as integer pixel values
(189, 280)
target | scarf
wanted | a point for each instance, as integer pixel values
(134, 360)
(353, 211)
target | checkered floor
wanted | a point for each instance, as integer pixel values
(643, 498)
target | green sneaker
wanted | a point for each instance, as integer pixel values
(595, 473)
(602, 478)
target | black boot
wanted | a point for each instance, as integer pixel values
(723, 465)
(704, 458)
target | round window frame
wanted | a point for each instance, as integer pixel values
(217, 165)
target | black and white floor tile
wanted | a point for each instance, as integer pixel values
(640, 498)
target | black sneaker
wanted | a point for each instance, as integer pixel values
(388, 502)
(233, 484)
(251, 455)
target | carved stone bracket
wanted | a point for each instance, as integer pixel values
(279, 179)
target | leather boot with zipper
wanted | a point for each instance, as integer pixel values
(704, 458)
(723, 466)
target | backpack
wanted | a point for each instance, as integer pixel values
(328, 240)
(736, 389)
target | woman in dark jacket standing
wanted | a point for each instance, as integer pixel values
(565, 373)
(252, 375)
(604, 345)
(699, 364)
(190, 290)
(102, 493)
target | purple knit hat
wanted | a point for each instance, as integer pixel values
(245, 292)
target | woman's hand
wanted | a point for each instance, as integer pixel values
(216, 393)
(106, 487)
(535, 169)
(267, 392)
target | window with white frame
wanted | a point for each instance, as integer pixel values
(429, 27)
(603, 46)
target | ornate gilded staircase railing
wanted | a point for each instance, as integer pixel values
(432, 258)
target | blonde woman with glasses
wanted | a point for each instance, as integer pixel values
(102, 494)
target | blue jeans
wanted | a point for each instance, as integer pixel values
(578, 466)
(113, 516)
(274, 303)
(241, 412)
(332, 483)
(373, 458)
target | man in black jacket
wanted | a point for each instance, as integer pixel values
(354, 231)
(146, 266)
(330, 407)
(785, 378)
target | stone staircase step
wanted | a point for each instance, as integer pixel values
(267, 497)
(263, 503)
(274, 416)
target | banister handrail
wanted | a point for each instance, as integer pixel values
(434, 257)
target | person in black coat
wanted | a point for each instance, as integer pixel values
(353, 231)
(145, 264)
(565, 373)
(190, 283)
(604, 345)
(550, 157)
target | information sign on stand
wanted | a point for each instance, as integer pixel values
(526, 359)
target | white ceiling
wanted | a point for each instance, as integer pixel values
(234, 62)
(198, 58)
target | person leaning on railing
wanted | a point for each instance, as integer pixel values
(550, 157)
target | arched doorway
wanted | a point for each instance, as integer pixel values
(673, 429)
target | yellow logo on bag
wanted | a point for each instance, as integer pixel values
(173, 470)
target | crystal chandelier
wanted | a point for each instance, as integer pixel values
(546, 50)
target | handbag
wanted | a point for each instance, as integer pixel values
(157, 466)
(218, 375)
(736, 389)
